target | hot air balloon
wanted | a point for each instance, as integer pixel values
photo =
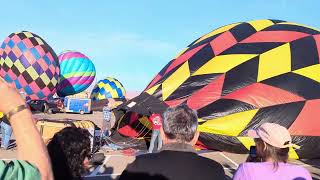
(77, 72)
(30, 64)
(108, 88)
(240, 76)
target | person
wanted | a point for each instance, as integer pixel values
(155, 120)
(6, 129)
(272, 147)
(177, 158)
(6, 132)
(107, 118)
(69, 150)
(32, 162)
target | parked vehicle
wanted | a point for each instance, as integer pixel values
(50, 106)
(55, 105)
(77, 105)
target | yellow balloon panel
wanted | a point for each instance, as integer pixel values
(274, 62)
(311, 72)
(223, 63)
(258, 25)
(153, 89)
(231, 125)
(175, 80)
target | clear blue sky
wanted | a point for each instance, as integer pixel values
(132, 40)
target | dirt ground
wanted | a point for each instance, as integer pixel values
(116, 161)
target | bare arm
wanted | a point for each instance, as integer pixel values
(29, 143)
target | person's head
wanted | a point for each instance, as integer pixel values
(69, 150)
(272, 142)
(180, 125)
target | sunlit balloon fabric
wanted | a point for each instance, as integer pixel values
(29, 63)
(108, 88)
(77, 72)
(244, 74)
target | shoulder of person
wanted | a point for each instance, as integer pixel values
(19, 169)
(142, 162)
(209, 161)
(148, 156)
(247, 165)
(209, 168)
(240, 172)
(5, 120)
(298, 168)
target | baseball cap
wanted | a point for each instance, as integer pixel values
(273, 134)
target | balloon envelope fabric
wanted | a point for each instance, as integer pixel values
(77, 72)
(30, 64)
(108, 88)
(242, 75)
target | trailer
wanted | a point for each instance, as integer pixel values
(77, 105)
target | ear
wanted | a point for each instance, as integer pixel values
(195, 138)
(85, 163)
(264, 146)
(163, 136)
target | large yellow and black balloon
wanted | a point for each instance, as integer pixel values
(242, 75)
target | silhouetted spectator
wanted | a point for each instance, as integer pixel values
(272, 146)
(69, 150)
(177, 158)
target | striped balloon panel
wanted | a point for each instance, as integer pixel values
(77, 72)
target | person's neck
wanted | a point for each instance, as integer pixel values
(173, 141)
(268, 160)
(178, 146)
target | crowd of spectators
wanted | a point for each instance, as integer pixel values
(69, 150)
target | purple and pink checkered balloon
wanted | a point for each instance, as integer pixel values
(30, 64)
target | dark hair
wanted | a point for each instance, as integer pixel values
(180, 123)
(276, 154)
(68, 149)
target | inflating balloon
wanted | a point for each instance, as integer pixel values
(30, 64)
(77, 72)
(108, 88)
(242, 75)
